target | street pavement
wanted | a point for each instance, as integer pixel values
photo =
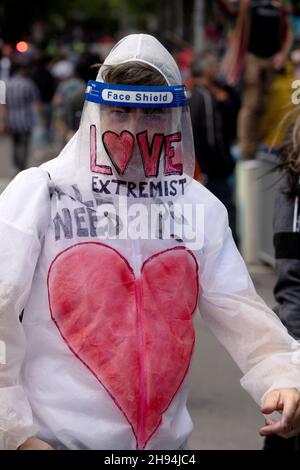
(224, 415)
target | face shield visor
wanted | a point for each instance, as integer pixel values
(136, 140)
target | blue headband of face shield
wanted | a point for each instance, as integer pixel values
(136, 96)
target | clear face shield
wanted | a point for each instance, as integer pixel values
(135, 153)
(139, 139)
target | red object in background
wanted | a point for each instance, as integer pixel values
(185, 58)
(22, 46)
(106, 40)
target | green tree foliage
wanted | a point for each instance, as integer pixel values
(17, 16)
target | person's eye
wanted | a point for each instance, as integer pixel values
(151, 117)
(119, 114)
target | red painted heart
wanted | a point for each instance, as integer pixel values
(135, 335)
(119, 149)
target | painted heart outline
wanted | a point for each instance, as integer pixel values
(142, 358)
(119, 148)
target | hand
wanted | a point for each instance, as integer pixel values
(287, 402)
(278, 60)
(33, 443)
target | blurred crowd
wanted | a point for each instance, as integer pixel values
(44, 98)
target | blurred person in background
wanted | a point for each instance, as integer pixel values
(73, 110)
(69, 84)
(86, 70)
(45, 82)
(286, 225)
(214, 109)
(5, 62)
(259, 48)
(279, 113)
(22, 98)
(295, 59)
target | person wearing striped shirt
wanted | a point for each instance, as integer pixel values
(22, 98)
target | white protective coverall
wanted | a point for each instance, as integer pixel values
(101, 359)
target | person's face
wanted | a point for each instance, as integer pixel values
(134, 120)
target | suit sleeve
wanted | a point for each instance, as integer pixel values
(24, 215)
(239, 318)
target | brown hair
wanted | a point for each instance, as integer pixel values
(133, 73)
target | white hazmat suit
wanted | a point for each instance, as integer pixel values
(101, 359)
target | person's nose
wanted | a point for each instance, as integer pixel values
(134, 121)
